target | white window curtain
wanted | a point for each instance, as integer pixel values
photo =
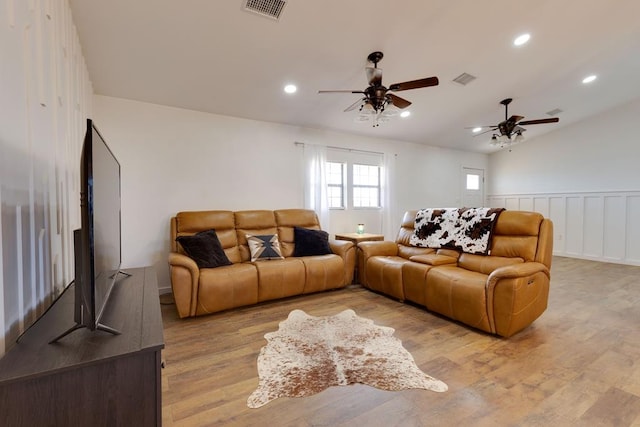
(390, 220)
(315, 186)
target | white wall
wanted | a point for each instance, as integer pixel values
(45, 98)
(175, 160)
(585, 177)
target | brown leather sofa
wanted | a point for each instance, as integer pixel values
(208, 290)
(501, 293)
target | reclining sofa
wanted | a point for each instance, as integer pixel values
(199, 291)
(500, 293)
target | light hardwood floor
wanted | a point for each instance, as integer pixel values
(577, 365)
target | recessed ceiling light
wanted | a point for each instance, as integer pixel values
(290, 88)
(589, 79)
(476, 130)
(405, 114)
(522, 39)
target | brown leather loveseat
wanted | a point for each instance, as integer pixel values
(208, 290)
(501, 293)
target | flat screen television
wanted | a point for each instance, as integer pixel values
(97, 244)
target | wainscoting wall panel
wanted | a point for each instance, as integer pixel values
(633, 228)
(599, 226)
(46, 99)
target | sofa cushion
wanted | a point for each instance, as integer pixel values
(226, 287)
(264, 247)
(254, 223)
(205, 249)
(409, 251)
(486, 264)
(310, 242)
(384, 274)
(459, 294)
(280, 278)
(323, 272)
(433, 259)
(287, 219)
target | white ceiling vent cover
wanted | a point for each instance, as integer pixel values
(554, 112)
(464, 79)
(269, 8)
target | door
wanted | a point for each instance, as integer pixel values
(472, 187)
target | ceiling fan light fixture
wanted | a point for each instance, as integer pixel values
(367, 109)
(521, 39)
(518, 138)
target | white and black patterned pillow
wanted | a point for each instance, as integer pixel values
(264, 247)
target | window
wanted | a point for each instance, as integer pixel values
(366, 186)
(335, 185)
(354, 179)
(473, 181)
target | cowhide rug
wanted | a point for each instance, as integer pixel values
(308, 354)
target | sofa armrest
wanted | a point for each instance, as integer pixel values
(379, 248)
(347, 251)
(517, 271)
(185, 275)
(516, 296)
(367, 250)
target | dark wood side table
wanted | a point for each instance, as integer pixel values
(357, 238)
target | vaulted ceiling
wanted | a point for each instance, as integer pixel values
(214, 56)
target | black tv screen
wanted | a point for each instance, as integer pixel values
(103, 221)
(97, 247)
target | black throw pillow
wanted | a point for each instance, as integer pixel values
(205, 249)
(310, 242)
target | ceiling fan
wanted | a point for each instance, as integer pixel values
(376, 97)
(511, 126)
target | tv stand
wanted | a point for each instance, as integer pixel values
(89, 378)
(99, 326)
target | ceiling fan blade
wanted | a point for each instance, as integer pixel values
(354, 105)
(482, 127)
(398, 102)
(540, 121)
(374, 76)
(340, 91)
(494, 128)
(515, 119)
(415, 84)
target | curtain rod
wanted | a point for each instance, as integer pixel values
(350, 150)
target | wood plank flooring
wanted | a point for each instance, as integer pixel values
(577, 365)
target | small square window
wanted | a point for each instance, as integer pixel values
(473, 182)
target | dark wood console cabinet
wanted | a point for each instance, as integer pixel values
(89, 378)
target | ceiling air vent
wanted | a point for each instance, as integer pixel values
(464, 79)
(554, 112)
(269, 8)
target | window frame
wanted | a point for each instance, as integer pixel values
(342, 185)
(377, 186)
(349, 158)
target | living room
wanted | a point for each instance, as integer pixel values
(581, 172)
